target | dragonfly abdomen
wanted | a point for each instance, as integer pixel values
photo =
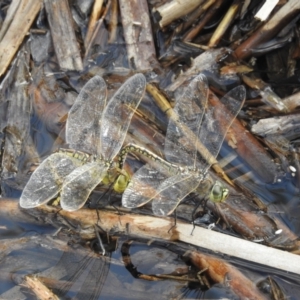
(132, 148)
(84, 157)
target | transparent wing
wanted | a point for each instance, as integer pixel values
(213, 130)
(46, 181)
(118, 113)
(143, 186)
(172, 191)
(84, 119)
(181, 134)
(80, 183)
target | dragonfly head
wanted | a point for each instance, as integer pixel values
(218, 193)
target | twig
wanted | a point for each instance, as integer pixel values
(175, 9)
(9, 17)
(266, 10)
(198, 27)
(89, 43)
(270, 29)
(223, 26)
(95, 15)
(113, 22)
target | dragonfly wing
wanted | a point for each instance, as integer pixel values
(172, 191)
(118, 113)
(46, 181)
(80, 183)
(212, 131)
(180, 144)
(84, 119)
(142, 187)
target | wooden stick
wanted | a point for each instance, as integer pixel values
(175, 9)
(162, 228)
(90, 42)
(270, 29)
(266, 10)
(113, 22)
(138, 34)
(95, 15)
(38, 288)
(9, 17)
(192, 33)
(18, 114)
(19, 27)
(63, 35)
(291, 102)
(205, 61)
(227, 20)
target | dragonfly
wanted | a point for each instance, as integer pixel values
(168, 182)
(95, 133)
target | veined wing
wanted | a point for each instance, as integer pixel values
(46, 181)
(84, 119)
(142, 187)
(213, 130)
(118, 113)
(172, 191)
(80, 183)
(182, 132)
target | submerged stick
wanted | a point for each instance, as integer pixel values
(219, 271)
(41, 291)
(248, 147)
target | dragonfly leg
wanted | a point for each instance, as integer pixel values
(195, 210)
(175, 221)
(99, 240)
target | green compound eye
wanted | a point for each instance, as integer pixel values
(218, 192)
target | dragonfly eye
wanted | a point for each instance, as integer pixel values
(218, 192)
